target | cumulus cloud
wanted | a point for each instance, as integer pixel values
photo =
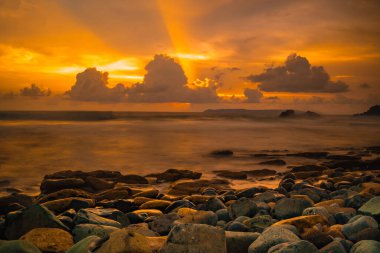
(91, 85)
(253, 95)
(165, 81)
(297, 75)
(34, 91)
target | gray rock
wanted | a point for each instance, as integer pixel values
(321, 211)
(87, 217)
(18, 246)
(223, 215)
(294, 247)
(366, 246)
(242, 207)
(271, 237)
(238, 242)
(371, 207)
(334, 246)
(85, 245)
(288, 208)
(162, 224)
(82, 231)
(236, 226)
(357, 224)
(200, 238)
(35, 216)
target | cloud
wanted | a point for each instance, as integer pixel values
(253, 95)
(91, 85)
(297, 75)
(34, 91)
(165, 81)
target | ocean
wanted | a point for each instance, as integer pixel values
(35, 144)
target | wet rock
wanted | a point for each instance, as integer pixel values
(200, 217)
(334, 246)
(248, 193)
(366, 234)
(18, 246)
(316, 237)
(99, 184)
(85, 245)
(321, 211)
(223, 215)
(303, 222)
(259, 223)
(133, 179)
(242, 207)
(238, 242)
(178, 204)
(357, 200)
(310, 167)
(125, 241)
(52, 240)
(156, 204)
(87, 217)
(52, 185)
(183, 211)
(214, 204)
(142, 228)
(222, 153)
(197, 199)
(275, 162)
(268, 196)
(312, 155)
(65, 193)
(294, 247)
(113, 194)
(231, 174)
(67, 221)
(82, 231)
(271, 237)
(358, 223)
(236, 226)
(162, 224)
(289, 207)
(61, 205)
(172, 175)
(195, 186)
(149, 212)
(152, 193)
(186, 238)
(372, 208)
(366, 246)
(14, 201)
(35, 216)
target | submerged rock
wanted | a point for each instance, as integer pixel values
(172, 175)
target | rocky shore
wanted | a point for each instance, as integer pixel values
(330, 205)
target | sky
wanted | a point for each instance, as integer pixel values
(186, 55)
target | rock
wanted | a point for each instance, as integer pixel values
(82, 231)
(306, 168)
(178, 204)
(287, 114)
(86, 245)
(357, 200)
(152, 193)
(18, 246)
(201, 238)
(242, 207)
(142, 228)
(162, 224)
(260, 173)
(259, 223)
(358, 223)
(124, 241)
(303, 222)
(214, 204)
(149, 212)
(156, 204)
(372, 111)
(321, 211)
(372, 208)
(275, 162)
(268, 196)
(133, 179)
(289, 207)
(61, 205)
(113, 194)
(198, 199)
(124, 205)
(223, 215)
(52, 185)
(222, 153)
(13, 201)
(183, 211)
(85, 216)
(65, 193)
(200, 217)
(366, 234)
(316, 237)
(231, 174)
(294, 247)
(248, 193)
(35, 216)
(99, 184)
(366, 246)
(66, 174)
(238, 242)
(172, 175)
(52, 240)
(156, 242)
(271, 237)
(333, 247)
(104, 174)
(110, 213)
(236, 226)
(312, 155)
(195, 186)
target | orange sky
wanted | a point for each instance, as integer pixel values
(49, 42)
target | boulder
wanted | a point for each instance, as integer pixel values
(65, 193)
(35, 216)
(86, 245)
(125, 241)
(133, 179)
(200, 217)
(201, 238)
(61, 205)
(152, 193)
(294, 247)
(275, 162)
(321, 211)
(18, 246)
(156, 204)
(271, 237)
(334, 246)
(52, 185)
(357, 224)
(82, 231)
(195, 186)
(85, 216)
(162, 224)
(172, 175)
(231, 174)
(52, 240)
(142, 228)
(259, 223)
(242, 207)
(366, 246)
(289, 207)
(238, 242)
(372, 208)
(114, 194)
(303, 222)
(99, 184)
(214, 204)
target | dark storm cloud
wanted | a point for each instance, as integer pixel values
(253, 95)
(297, 75)
(166, 81)
(34, 91)
(91, 85)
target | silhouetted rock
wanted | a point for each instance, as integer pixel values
(222, 153)
(231, 174)
(172, 175)
(372, 111)
(287, 114)
(277, 162)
